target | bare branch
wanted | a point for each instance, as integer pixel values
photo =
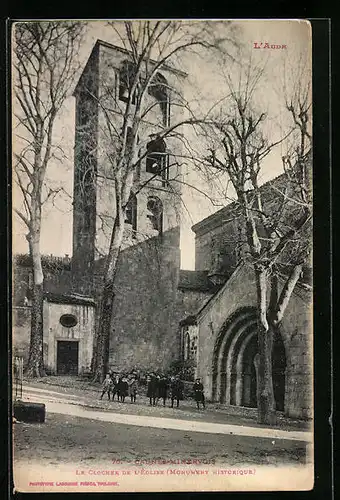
(22, 217)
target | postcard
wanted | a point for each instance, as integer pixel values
(162, 241)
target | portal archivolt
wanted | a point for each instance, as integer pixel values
(234, 371)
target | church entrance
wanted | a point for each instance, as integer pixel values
(248, 375)
(67, 357)
(234, 371)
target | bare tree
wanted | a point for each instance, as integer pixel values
(44, 56)
(151, 47)
(275, 219)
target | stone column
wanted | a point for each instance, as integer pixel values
(256, 364)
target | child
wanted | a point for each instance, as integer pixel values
(114, 390)
(132, 389)
(123, 389)
(107, 385)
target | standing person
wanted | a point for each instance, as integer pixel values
(158, 378)
(132, 388)
(199, 393)
(152, 389)
(163, 388)
(107, 386)
(119, 386)
(124, 389)
(172, 390)
(114, 390)
(177, 389)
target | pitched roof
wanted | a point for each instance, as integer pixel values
(69, 298)
(196, 280)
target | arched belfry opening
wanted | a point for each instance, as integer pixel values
(127, 75)
(159, 89)
(234, 371)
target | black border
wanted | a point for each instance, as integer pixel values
(322, 259)
(262, 9)
(322, 250)
(5, 256)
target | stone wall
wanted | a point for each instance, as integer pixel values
(21, 327)
(85, 168)
(298, 323)
(148, 307)
(190, 301)
(217, 246)
(144, 324)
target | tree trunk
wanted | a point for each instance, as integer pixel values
(100, 365)
(101, 351)
(35, 364)
(266, 400)
(265, 391)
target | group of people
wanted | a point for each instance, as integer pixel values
(159, 387)
(121, 386)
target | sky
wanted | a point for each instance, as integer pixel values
(205, 86)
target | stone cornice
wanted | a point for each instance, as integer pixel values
(111, 46)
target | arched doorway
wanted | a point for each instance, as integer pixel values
(234, 373)
(249, 397)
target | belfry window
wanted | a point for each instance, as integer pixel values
(157, 159)
(126, 81)
(159, 89)
(155, 215)
(131, 213)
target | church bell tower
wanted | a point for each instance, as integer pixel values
(155, 202)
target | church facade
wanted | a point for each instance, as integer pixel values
(224, 328)
(162, 315)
